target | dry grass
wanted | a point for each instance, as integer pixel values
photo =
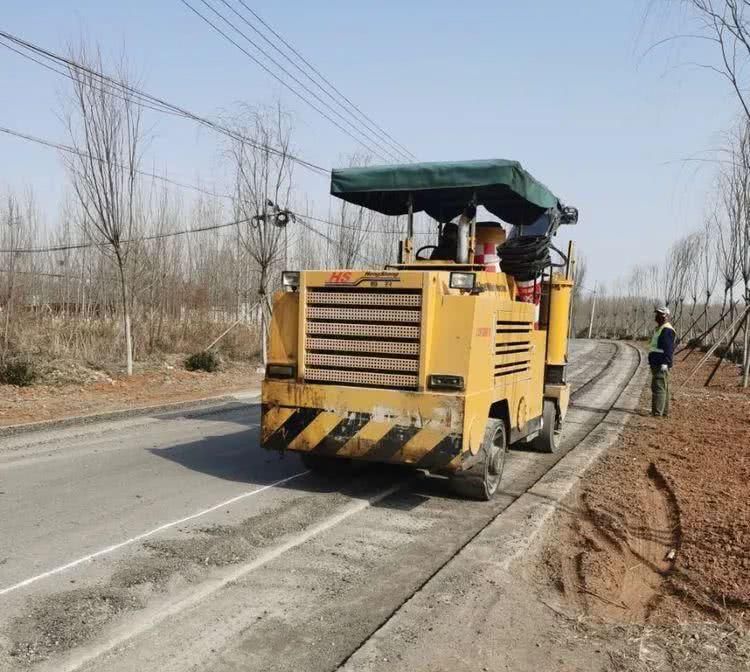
(99, 343)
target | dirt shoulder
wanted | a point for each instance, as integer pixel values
(659, 533)
(70, 389)
(600, 590)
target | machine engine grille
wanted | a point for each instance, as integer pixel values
(365, 337)
(512, 347)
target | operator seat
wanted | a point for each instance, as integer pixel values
(447, 247)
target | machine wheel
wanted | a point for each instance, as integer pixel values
(325, 464)
(548, 440)
(481, 480)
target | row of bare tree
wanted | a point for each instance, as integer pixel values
(133, 266)
(704, 278)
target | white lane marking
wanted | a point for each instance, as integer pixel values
(166, 526)
(147, 620)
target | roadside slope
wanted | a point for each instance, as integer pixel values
(475, 612)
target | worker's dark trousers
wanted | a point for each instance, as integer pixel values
(659, 391)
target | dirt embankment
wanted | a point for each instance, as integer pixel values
(70, 389)
(659, 533)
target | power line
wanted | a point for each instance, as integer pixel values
(273, 74)
(79, 246)
(213, 227)
(117, 93)
(41, 273)
(350, 227)
(156, 236)
(72, 150)
(184, 185)
(147, 100)
(333, 242)
(378, 136)
(360, 128)
(318, 73)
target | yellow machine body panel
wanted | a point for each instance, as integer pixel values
(397, 366)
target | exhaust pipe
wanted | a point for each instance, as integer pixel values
(462, 247)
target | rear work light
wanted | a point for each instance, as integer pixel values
(280, 371)
(460, 280)
(290, 281)
(440, 382)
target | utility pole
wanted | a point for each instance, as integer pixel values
(591, 317)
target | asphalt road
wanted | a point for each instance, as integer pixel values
(175, 543)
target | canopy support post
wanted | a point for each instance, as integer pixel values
(408, 245)
(473, 230)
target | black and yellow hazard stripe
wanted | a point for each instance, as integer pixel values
(358, 435)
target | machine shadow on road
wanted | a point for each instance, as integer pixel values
(238, 457)
(241, 412)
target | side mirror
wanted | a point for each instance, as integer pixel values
(569, 215)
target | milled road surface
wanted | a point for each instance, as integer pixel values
(176, 543)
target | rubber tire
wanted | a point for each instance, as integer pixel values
(481, 480)
(548, 440)
(325, 464)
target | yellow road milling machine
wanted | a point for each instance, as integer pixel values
(444, 360)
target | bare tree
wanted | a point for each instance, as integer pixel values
(351, 229)
(709, 266)
(11, 242)
(263, 189)
(726, 24)
(734, 187)
(676, 274)
(576, 296)
(107, 134)
(382, 244)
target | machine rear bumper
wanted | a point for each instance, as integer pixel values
(425, 430)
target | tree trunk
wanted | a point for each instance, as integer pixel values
(708, 302)
(731, 316)
(746, 351)
(8, 310)
(124, 294)
(263, 334)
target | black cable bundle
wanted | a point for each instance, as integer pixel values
(525, 258)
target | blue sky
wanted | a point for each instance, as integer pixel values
(561, 86)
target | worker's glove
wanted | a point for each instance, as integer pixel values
(664, 368)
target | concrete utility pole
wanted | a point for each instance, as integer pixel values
(591, 317)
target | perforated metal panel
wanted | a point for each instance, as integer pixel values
(349, 345)
(369, 378)
(363, 337)
(367, 330)
(364, 298)
(362, 314)
(354, 362)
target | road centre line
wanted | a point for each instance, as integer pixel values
(144, 535)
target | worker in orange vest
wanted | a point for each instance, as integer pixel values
(660, 354)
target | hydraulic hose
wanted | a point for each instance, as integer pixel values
(525, 258)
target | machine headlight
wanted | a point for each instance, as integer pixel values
(440, 382)
(460, 280)
(290, 281)
(279, 371)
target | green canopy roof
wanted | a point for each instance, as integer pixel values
(444, 189)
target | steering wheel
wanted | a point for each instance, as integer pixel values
(421, 249)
